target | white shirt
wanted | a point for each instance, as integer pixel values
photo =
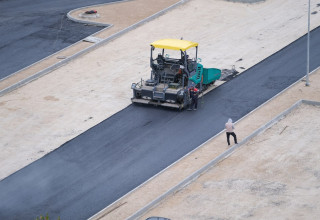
(229, 127)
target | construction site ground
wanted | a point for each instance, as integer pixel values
(108, 16)
(42, 115)
(268, 155)
(274, 176)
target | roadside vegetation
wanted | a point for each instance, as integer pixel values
(46, 217)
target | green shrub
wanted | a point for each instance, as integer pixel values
(46, 217)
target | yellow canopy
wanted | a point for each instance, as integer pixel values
(174, 44)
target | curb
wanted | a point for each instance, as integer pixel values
(93, 22)
(76, 55)
(221, 157)
(144, 209)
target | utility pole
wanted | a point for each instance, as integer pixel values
(308, 47)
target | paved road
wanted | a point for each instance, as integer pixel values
(93, 170)
(32, 30)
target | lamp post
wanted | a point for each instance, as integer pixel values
(308, 46)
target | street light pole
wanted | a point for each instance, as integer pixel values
(308, 46)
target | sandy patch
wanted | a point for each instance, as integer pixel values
(120, 15)
(97, 85)
(274, 176)
(123, 14)
(191, 163)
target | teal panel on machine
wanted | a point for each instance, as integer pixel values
(210, 75)
(196, 78)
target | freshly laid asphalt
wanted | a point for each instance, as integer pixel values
(99, 166)
(32, 30)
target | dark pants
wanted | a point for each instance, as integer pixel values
(194, 102)
(234, 137)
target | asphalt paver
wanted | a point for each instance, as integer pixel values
(104, 163)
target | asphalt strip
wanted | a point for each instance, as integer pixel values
(109, 160)
(99, 166)
(78, 54)
(216, 160)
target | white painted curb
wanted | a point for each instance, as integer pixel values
(92, 22)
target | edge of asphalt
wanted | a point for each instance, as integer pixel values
(76, 55)
(92, 22)
(226, 153)
(216, 160)
(195, 174)
(220, 158)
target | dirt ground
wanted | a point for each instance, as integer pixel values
(114, 14)
(276, 175)
(173, 175)
(123, 14)
(34, 125)
(44, 114)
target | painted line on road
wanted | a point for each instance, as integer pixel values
(76, 55)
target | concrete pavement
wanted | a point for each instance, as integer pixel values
(53, 97)
(61, 105)
(106, 162)
(272, 176)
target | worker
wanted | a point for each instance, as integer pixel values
(178, 76)
(160, 59)
(194, 94)
(230, 131)
(181, 75)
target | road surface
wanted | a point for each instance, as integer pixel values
(101, 165)
(31, 31)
